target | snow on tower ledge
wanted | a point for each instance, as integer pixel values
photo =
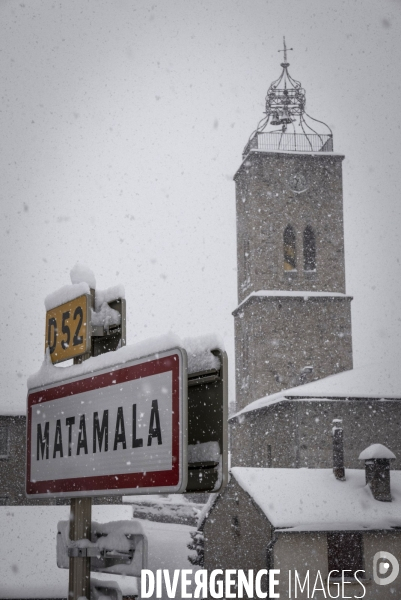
(290, 294)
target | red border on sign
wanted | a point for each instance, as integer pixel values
(113, 482)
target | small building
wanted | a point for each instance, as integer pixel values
(306, 523)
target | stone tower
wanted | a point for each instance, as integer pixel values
(293, 322)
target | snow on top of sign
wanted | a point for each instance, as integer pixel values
(82, 280)
(170, 508)
(66, 294)
(112, 535)
(199, 358)
(156, 498)
(199, 355)
(105, 316)
(376, 451)
(108, 295)
(81, 273)
(207, 451)
(74, 290)
(378, 380)
(313, 499)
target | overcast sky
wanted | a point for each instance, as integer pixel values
(122, 125)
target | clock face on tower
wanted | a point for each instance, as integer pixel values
(297, 183)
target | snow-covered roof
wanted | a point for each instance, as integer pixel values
(378, 380)
(291, 294)
(376, 451)
(314, 500)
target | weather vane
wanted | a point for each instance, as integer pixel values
(285, 50)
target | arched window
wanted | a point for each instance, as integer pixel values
(290, 256)
(309, 249)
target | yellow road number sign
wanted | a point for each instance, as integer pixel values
(68, 329)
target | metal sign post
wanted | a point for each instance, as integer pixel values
(80, 567)
(79, 576)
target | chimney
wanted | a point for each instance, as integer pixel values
(377, 469)
(338, 450)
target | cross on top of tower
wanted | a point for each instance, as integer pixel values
(285, 64)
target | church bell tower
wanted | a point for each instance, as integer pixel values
(293, 321)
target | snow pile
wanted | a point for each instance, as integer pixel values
(206, 452)
(81, 273)
(66, 294)
(314, 500)
(199, 349)
(74, 290)
(108, 295)
(106, 316)
(82, 281)
(165, 508)
(111, 537)
(49, 374)
(376, 451)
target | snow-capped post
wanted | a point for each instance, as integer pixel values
(377, 459)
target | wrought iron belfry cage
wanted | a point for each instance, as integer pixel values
(285, 108)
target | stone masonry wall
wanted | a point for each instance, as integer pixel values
(236, 532)
(266, 204)
(297, 433)
(277, 339)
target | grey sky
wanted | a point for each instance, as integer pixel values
(122, 124)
